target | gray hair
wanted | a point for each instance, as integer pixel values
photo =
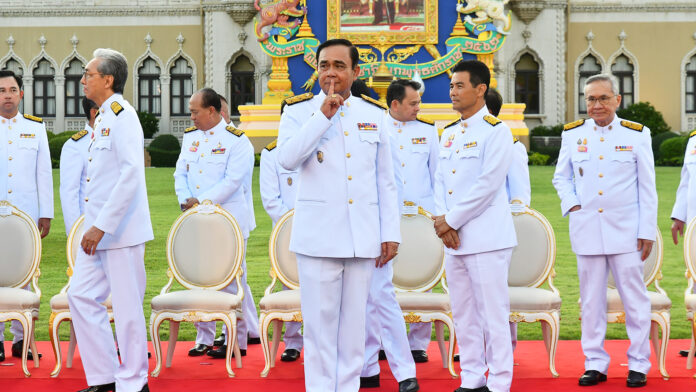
(115, 64)
(604, 78)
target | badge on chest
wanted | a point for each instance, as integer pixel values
(105, 131)
(367, 127)
(419, 140)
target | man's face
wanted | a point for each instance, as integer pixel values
(463, 94)
(334, 65)
(203, 118)
(94, 83)
(601, 102)
(408, 108)
(10, 96)
(225, 111)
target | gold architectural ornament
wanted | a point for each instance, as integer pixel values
(411, 317)
(279, 85)
(488, 60)
(383, 77)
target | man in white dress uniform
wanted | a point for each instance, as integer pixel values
(605, 178)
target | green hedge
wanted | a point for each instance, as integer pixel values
(149, 122)
(164, 151)
(55, 145)
(538, 159)
(646, 114)
(672, 151)
(657, 141)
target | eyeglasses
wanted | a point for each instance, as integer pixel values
(603, 100)
(86, 75)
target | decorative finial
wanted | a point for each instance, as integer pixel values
(10, 41)
(242, 37)
(526, 34)
(74, 41)
(148, 40)
(180, 39)
(42, 41)
(622, 36)
(589, 37)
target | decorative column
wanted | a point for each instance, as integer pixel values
(28, 94)
(165, 99)
(59, 125)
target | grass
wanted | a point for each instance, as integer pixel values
(164, 210)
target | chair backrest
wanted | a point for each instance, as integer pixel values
(20, 242)
(690, 253)
(72, 246)
(205, 248)
(283, 261)
(534, 257)
(419, 265)
(651, 266)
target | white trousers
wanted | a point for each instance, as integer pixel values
(419, 335)
(16, 328)
(481, 309)
(121, 273)
(385, 327)
(627, 269)
(334, 299)
(292, 337)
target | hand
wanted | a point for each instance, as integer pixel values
(44, 226)
(645, 246)
(389, 251)
(190, 202)
(575, 208)
(451, 239)
(677, 227)
(91, 239)
(331, 103)
(441, 226)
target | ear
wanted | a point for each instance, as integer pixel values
(109, 82)
(618, 99)
(21, 94)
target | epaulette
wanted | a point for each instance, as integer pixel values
(455, 122)
(573, 125)
(190, 129)
(272, 145)
(375, 102)
(79, 135)
(235, 131)
(632, 125)
(491, 120)
(515, 140)
(298, 98)
(692, 134)
(33, 118)
(425, 120)
(116, 107)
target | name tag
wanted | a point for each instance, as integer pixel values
(623, 148)
(26, 135)
(367, 126)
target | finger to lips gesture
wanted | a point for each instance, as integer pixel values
(331, 103)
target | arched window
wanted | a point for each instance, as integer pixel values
(149, 92)
(14, 66)
(73, 89)
(241, 84)
(44, 90)
(182, 87)
(691, 86)
(527, 83)
(622, 69)
(588, 67)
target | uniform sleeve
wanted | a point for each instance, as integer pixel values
(647, 191)
(270, 186)
(679, 211)
(44, 177)
(518, 175)
(181, 176)
(298, 138)
(248, 185)
(71, 166)
(388, 197)
(398, 173)
(563, 177)
(433, 155)
(439, 187)
(234, 178)
(494, 168)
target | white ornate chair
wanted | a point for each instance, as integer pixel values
(689, 296)
(531, 266)
(275, 308)
(205, 249)
(419, 267)
(20, 242)
(660, 304)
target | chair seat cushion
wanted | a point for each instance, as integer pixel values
(286, 300)
(12, 300)
(59, 303)
(690, 302)
(530, 299)
(414, 302)
(196, 300)
(658, 302)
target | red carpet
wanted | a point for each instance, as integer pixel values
(187, 374)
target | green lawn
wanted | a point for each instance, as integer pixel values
(164, 210)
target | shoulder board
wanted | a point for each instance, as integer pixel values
(298, 98)
(491, 120)
(455, 122)
(190, 129)
(79, 135)
(425, 120)
(272, 145)
(33, 118)
(632, 125)
(692, 134)
(116, 107)
(235, 131)
(515, 140)
(573, 125)
(375, 102)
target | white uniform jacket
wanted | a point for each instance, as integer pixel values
(416, 145)
(609, 172)
(73, 176)
(248, 194)
(347, 202)
(278, 185)
(518, 187)
(214, 165)
(26, 179)
(116, 201)
(474, 158)
(685, 203)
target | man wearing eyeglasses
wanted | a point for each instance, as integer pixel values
(605, 178)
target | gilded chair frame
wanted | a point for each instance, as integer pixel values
(690, 275)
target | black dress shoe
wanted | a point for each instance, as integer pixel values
(409, 385)
(198, 350)
(251, 340)
(17, 351)
(591, 377)
(145, 388)
(221, 351)
(2, 351)
(455, 358)
(370, 382)
(479, 389)
(684, 353)
(290, 355)
(419, 356)
(636, 379)
(382, 356)
(219, 341)
(100, 388)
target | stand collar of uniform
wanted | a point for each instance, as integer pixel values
(395, 122)
(478, 116)
(219, 127)
(88, 129)
(615, 122)
(17, 117)
(107, 104)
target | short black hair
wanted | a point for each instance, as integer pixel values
(494, 101)
(6, 73)
(222, 98)
(478, 72)
(210, 97)
(397, 89)
(353, 51)
(359, 87)
(87, 105)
